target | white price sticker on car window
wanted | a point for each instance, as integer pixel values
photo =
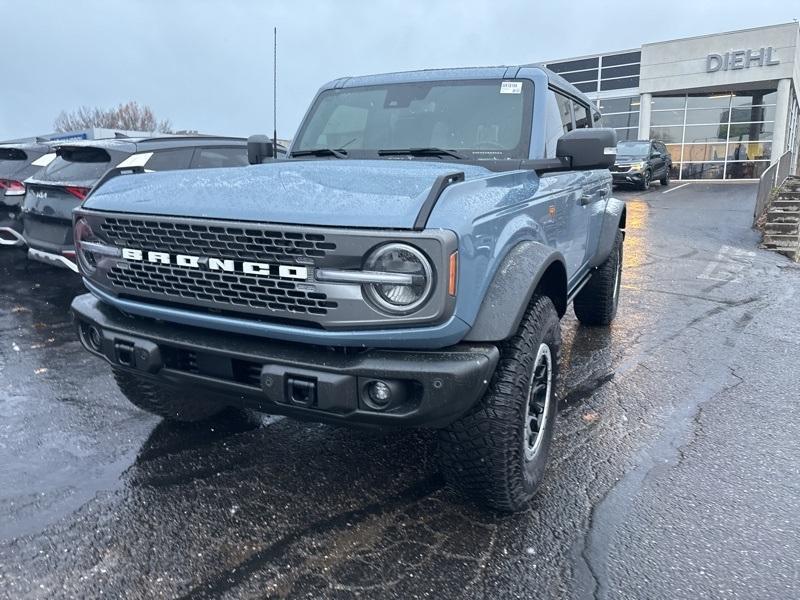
(511, 87)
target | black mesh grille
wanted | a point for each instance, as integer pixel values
(215, 240)
(220, 289)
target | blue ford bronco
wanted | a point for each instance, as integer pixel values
(406, 265)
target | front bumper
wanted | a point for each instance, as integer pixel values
(64, 261)
(429, 388)
(629, 177)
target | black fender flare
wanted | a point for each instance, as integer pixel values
(527, 265)
(613, 220)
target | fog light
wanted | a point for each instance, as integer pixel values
(95, 338)
(380, 393)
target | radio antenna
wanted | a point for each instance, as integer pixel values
(275, 92)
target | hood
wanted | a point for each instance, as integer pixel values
(354, 193)
(627, 159)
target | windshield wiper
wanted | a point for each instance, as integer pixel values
(338, 153)
(421, 152)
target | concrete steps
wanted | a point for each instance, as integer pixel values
(782, 226)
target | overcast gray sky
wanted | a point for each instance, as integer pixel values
(207, 64)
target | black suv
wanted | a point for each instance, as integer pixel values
(54, 192)
(640, 162)
(17, 162)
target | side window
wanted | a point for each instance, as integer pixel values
(598, 119)
(565, 110)
(170, 160)
(559, 121)
(213, 158)
(581, 116)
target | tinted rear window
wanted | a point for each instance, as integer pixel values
(12, 154)
(78, 164)
(11, 161)
(211, 158)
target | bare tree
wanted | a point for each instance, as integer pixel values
(131, 116)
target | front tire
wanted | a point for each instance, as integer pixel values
(596, 303)
(665, 179)
(645, 184)
(497, 452)
(171, 403)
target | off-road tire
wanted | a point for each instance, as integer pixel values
(665, 179)
(171, 403)
(646, 179)
(596, 303)
(482, 454)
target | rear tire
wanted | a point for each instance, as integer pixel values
(171, 403)
(496, 453)
(596, 303)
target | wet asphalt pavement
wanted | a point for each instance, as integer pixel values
(674, 472)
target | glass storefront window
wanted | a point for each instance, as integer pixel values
(668, 103)
(754, 98)
(706, 133)
(675, 152)
(752, 113)
(706, 170)
(742, 132)
(706, 116)
(619, 105)
(668, 135)
(711, 136)
(666, 117)
(749, 151)
(704, 152)
(622, 120)
(715, 101)
(627, 134)
(746, 170)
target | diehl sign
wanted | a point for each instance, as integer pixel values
(741, 59)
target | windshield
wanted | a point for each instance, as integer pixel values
(476, 119)
(12, 160)
(77, 164)
(635, 149)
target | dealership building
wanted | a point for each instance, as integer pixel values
(726, 105)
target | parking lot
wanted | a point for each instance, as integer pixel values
(674, 472)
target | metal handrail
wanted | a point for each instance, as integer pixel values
(775, 174)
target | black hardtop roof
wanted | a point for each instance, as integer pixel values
(146, 144)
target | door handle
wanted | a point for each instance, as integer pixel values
(589, 198)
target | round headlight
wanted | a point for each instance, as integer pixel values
(83, 233)
(400, 259)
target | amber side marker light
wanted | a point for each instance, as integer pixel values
(451, 285)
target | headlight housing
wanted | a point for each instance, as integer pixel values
(84, 233)
(638, 166)
(399, 259)
(89, 248)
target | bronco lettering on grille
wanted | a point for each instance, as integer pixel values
(216, 264)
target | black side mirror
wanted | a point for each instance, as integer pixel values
(259, 149)
(592, 148)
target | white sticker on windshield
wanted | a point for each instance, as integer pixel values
(511, 87)
(44, 160)
(136, 160)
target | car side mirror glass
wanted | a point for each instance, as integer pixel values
(259, 149)
(592, 148)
